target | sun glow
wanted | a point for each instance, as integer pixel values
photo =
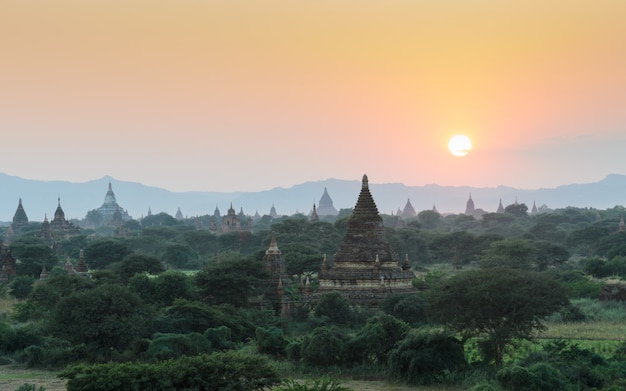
(460, 145)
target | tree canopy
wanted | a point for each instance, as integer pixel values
(497, 304)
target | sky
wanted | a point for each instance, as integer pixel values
(251, 95)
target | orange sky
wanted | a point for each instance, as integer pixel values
(249, 95)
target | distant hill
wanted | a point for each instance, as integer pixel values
(40, 197)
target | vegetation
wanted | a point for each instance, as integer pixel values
(172, 298)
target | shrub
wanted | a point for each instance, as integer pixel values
(323, 384)
(335, 307)
(30, 387)
(424, 357)
(409, 308)
(218, 371)
(324, 346)
(376, 339)
(271, 341)
(537, 377)
(166, 346)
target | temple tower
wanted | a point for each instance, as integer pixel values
(365, 268)
(314, 216)
(408, 211)
(110, 207)
(469, 207)
(326, 207)
(20, 219)
(500, 207)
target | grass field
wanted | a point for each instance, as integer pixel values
(12, 378)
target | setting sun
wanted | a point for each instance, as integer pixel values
(460, 145)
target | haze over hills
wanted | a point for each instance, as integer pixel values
(40, 198)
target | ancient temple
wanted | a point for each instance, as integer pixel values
(365, 268)
(61, 227)
(500, 207)
(231, 222)
(273, 213)
(469, 206)
(314, 216)
(325, 206)
(8, 264)
(110, 207)
(179, 215)
(408, 211)
(20, 220)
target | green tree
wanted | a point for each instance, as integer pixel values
(324, 346)
(21, 287)
(32, 254)
(138, 263)
(513, 253)
(550, 254)
(230, 281)
(496, 304)
(430, 219)
(376, 339)
(408, 308)
(517, 210)
(46, 294)
(423, 357)
(335, 308)
(101, 253)
(162, 218)
(104, 318)
(179, 256)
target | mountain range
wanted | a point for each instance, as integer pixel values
(41, 198)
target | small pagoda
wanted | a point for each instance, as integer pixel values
(365, 269)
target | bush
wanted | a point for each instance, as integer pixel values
(335, 307)
(324, 346)
(30, 387)
(271, 341)
(376, 339)
(425, 357)
(409, 308)
(537, 377)
(167, 346)
(218, 371)
(324, 384)
(573, 364)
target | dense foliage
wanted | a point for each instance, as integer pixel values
(172, 296)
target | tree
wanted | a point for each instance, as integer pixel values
(376, 339)
(324, 346)
(179, 256)
(408, 308)
(496, 304)
(46, 294)
(104, 318)
(513, 253)
(517, 210)
(32, 254)
(138, 263)
(335, 307)
(549, 254)
(21, 286)
(101, 253)
(232, 282)
(423, 357)
(429, 218)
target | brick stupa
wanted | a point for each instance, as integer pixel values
(365, 269)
